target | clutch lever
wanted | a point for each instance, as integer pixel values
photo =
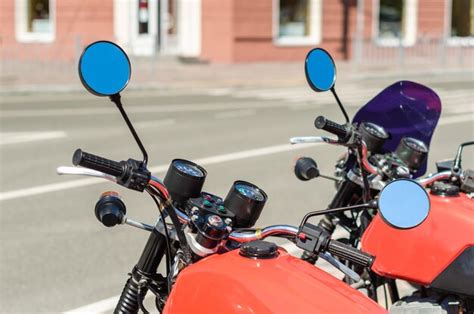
(343, 268)
(84, 172)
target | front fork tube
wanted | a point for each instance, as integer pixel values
(146, 268)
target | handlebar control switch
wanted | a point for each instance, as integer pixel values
(312, 238)
(110, 209)
(315, 239)
(306, 169)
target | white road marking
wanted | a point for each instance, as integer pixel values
(460, 108)
(54, 187)
(136, 109)
(61, 186)
(457, 119)
(7, 138)
(235, 114)
(97, 307)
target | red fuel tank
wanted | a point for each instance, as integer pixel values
(421, 254)
(231, 283)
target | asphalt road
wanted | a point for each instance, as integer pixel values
(55, 256)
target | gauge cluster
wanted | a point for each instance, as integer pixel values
(242, 205)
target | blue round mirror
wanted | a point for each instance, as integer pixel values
(104, 68)
(404, 204)
(320, 70)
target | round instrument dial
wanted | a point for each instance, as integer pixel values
(374, 136)
(375, 130)
(184, 179)
(412, 152)
(246, 201)
(415, 144)
(188, 168)
(250, 191)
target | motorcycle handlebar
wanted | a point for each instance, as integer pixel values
(350, 253)
(91, 161)
(342, 132)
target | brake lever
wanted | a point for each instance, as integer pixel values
(343, 268)
(312, 139)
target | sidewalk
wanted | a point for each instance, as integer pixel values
(166, 72)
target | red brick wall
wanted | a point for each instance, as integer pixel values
(431, 18)
(7, 31)
(77, 23)
(217, 41)
(241, 31)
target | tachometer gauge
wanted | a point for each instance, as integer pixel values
(250, 191)
(246, 201)
(412, 152)
(373, 135)
(188, 168)
(184, 179)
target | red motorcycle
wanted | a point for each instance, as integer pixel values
(216, 261)
(388, 139)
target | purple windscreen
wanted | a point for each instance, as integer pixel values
(404, 109)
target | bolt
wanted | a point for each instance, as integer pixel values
(194, 210)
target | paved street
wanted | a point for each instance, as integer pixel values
(55, 256)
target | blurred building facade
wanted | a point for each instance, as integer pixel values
(231, 31)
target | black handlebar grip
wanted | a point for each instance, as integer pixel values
(98, 163)
(350, 253)
(332, 127)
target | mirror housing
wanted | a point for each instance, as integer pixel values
(403, 204)
(320, 70)
(104, 68)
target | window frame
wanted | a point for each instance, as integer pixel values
(316, 7)
(21, 24)
(409, 23)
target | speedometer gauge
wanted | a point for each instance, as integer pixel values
(412, 152)
(184, 179)
(373, 135)
(246, 201)
(188, 168)
(250, 191)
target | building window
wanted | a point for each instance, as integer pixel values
(297, 22)
(34, 20)
(395, 21)
(143, 16)
(462, 18)
(390, 18)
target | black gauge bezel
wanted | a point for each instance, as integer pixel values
(253, 186)
(247, 210)
(182, 185)
(408, 140)
(189, 163)
(380, 130)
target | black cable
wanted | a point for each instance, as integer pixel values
(140, 301)
(167, 237)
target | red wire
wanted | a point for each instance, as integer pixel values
(160, 188)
